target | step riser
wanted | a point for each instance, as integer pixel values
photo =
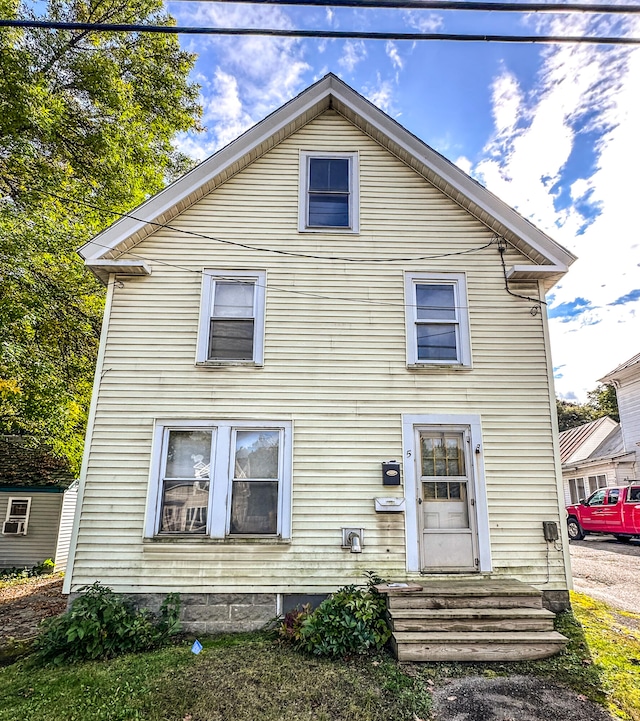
(414, 601)
(475, 652)
(469, 625)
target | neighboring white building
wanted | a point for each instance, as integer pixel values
(603, 452)
(593, 456)
(325, 295)
(626, 379)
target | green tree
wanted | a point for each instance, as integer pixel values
(605, 401)
(87, 121)
(602, 401)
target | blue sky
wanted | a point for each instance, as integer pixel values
(552, 130)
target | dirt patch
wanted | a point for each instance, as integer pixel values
(24, 606)
(517, 698)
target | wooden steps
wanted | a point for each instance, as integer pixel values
(471, 620)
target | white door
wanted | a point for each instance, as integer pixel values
(446, 504)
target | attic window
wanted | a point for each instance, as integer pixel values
(329, 196)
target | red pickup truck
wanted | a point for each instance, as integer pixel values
(608, 510)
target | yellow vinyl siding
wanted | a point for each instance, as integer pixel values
(334, 364)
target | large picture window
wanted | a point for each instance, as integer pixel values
(232, 317)
(437, 319)
(329, 197)
(221, 479)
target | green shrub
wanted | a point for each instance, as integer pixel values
(101, 624)
(41, 569)
(351, 621)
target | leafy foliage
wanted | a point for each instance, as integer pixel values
(602, 401)
(41, 569)
(100, 624)
(351, 621)
(291, 626)
(86, 121)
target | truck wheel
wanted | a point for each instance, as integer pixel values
(573, 528)
(622, 539)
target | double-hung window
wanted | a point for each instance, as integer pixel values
(221, 479)
(437, 320)
(17, 518)
(329, 192)
(232, 317)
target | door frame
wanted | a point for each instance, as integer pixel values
(472, 423)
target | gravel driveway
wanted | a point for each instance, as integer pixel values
(607, 570)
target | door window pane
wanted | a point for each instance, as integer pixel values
(443, 491)
(597, 499)
(442, 455)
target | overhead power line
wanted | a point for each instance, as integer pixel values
(280, 32)
(525, 7)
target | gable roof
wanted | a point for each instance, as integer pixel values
(580, 443)
(626, 369)
(549, 259)
(25, 466)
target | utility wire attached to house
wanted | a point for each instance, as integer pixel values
(538, 302)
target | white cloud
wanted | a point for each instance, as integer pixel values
(580, 188)
(393, 54)
(580, 88)
(354, 53)
(380, 94)
(464, 164)
(253, 75)
(425, 23)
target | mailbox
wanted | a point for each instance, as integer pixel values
(389, 505)
(390, 473)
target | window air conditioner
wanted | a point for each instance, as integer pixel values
(13, 528)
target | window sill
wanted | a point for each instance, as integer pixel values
(235, 541)
(228, 364)
(330, 230)
(438, 367)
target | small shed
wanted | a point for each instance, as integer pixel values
(38, 496)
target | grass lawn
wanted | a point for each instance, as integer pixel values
(252, 677)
